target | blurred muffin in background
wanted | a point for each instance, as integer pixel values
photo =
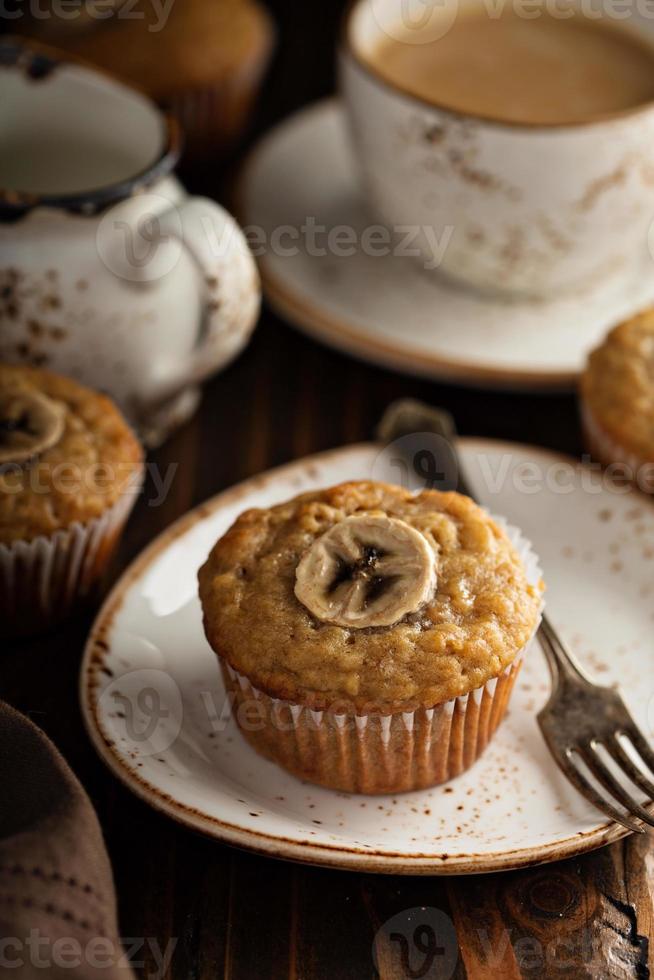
(202, 59)
(617, 399)
(70, 471)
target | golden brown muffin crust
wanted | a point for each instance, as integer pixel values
(201, 42)
(96, 459)
(618, 385)
(481, 616)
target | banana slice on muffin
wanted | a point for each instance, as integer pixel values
(30, 423)
(366, 571)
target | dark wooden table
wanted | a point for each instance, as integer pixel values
(244, 917)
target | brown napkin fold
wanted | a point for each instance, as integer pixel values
(57, 901)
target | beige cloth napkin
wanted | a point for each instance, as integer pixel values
(57, 901)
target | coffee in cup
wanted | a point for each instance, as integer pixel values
(543, 70)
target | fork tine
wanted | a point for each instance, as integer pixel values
(588, 790)
(606, 779)
(631, 769)
(641, 745)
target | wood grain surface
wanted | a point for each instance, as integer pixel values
(240, 917)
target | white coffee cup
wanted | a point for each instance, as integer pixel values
(109, 271)
(521, 208)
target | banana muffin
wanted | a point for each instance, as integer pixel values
(617, 399)
(69, 471)
(370, 638)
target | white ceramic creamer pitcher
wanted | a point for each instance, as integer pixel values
(109, 271)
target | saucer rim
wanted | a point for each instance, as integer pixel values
(308, 318)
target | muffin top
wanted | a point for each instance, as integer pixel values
(200, 42)
(618, 385)
(364, 595)
(66, 453)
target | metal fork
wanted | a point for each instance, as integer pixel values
(583, 723)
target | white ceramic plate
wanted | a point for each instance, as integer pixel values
(385, 309)
(153, 699)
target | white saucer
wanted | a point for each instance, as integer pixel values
(386, 309)
(153, 699)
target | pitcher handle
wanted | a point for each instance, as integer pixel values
(231, 286)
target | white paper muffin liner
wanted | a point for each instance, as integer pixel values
(41, 580)
(377, 752)
(607, 451)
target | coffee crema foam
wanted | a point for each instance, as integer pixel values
(538, 70)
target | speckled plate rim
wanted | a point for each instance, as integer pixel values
(298, 850)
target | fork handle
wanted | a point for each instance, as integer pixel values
(408, 417)
(561, 662)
